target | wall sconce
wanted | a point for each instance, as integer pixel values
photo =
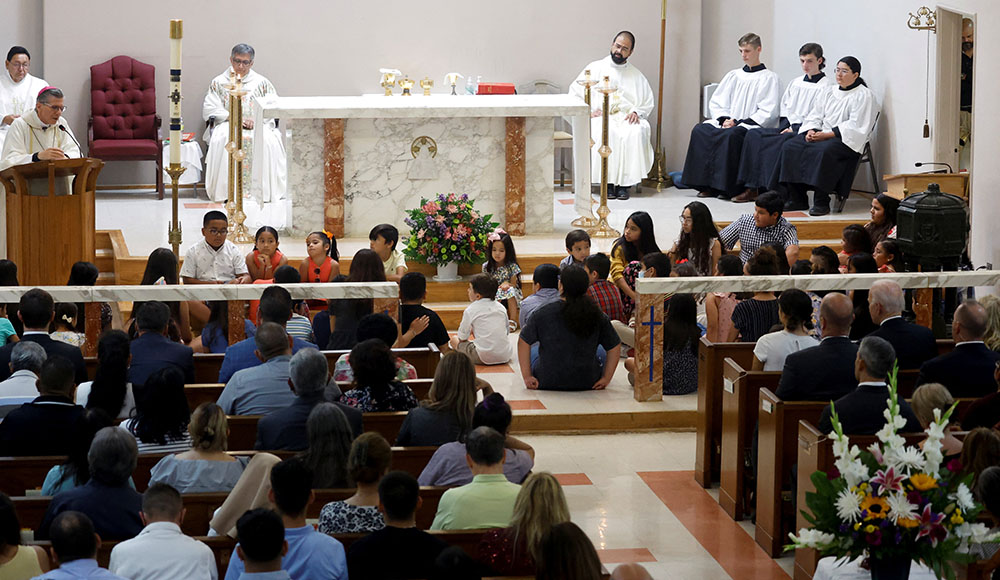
(924, 19)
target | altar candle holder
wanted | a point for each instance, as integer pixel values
(236, 156)
(603, 230)
(586, 221)
(174, 169)
(388, 81)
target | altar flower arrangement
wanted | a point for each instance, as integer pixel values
(448, 229)
(893, 503)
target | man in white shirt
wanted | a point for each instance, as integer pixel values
(161, 550)
(18, 89)
(26, 359)
(486, 320)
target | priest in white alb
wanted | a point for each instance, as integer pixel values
(629, 107)
(264, 195)
(746, 98)
(18, 89)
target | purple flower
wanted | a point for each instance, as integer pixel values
(954, 466)
(874, 538)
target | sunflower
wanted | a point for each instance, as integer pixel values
(922, 481)
(907, 523)
(875, 506)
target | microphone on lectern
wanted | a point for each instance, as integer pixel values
(64, 130)
(917, 164)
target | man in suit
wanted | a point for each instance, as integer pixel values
(275, 306)
(286, 428)
(861, 412)
(914, 344)
(152, 350)
(36, 311)
(967, 370)
(824, 372)
(50, 424)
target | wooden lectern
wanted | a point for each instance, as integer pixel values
(904, 184)
(50, 217)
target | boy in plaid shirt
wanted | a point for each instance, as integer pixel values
(604, 293)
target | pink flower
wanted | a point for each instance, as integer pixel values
(420, 233)
(929, 524)
(439, 219)
(447, 234)
(451, 197)
(473, 214)
(452, 208)
(431, 207)
(461, 230)
(889, 479)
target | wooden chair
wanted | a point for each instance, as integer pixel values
(708, 444)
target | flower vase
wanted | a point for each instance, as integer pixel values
(447, 272)
(890, 568)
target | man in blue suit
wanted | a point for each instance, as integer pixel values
(275, 306)
(36, 311)
(152, 350)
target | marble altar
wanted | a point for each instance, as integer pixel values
(354, 162)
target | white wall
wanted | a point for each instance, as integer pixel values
(22, 24)
(723, 23)
(336, 48)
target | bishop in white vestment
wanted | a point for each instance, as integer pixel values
(747, 98)
(628, 129)
(18, 89)
(824, 155)
(271, 163)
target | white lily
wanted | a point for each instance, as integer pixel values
(809, 538)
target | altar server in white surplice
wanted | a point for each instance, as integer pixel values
(824, 155)
(18, 89)
(747, 98)
(273, 172)
(762, 147)
(628, 130)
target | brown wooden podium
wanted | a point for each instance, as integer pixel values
(904, 184)
(50, 217)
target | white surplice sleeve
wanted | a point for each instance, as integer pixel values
(644, 97)
(16, 147)
(719, 105)
(854, 132)
(814, 120)
(766, 114)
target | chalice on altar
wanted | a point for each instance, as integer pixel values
(388, 79)
(406, 84)
(427, 84)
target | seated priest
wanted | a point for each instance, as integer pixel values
(746, 98)
(269, 179)
(762, 147)
(628, 130)
(824, 155)
(18, 89)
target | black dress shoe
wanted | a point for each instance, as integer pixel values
(612, 193)
(818, 210)
(707, 193)
(792, 206)
(623, 193)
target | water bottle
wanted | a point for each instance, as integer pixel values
(470, 85)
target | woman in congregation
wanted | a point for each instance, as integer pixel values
(883, 223)
(928, 398)
(8, 277)
(162, 414)
(980, 451)
(110, 391)
(368, 461)
(446, 415)
(338, 324)
(375, 387)
(863, 324)
(329, 436)
(205, 467)
(795, 311)
(75, 471)
(992, 305)
(572, 333)
(17, 561)
(719, 306)
(699, 240)
(754, 317)
(214, 336)
(805, 268)
(824, 155)
(565, 552)
(512, 551)
(161, 269)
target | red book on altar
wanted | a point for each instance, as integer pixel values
(495, 89)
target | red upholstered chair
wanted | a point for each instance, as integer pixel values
(123, 123)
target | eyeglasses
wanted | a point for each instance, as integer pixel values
(241, 62)
(214, 232)
(842, 71)
(21, 65)
(59, 108)
(685, 220)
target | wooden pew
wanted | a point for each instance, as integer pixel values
(708, 444)
(776, 453)
(739, 419)
(198, 393)
(200, 507)
(243, 428)
(206, 366)
(24, 473)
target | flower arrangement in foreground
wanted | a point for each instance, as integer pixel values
(893, 500)
(448, 229)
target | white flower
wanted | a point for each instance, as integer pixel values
(853, 472)
(963, 496)
(900, 507)
(975, 533)
(936, 430)
(910, 458)
(848, 506)
(809, 538)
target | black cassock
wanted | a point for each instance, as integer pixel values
(760, 156)
(713, 159)
(826, 167)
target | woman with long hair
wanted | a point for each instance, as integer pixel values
(754, 317)
(340, 322)
(680, 347)
(75, 471)
(375, 386)
(862, 325)
(110, 391)
(162, 414)
(572, 333)
(795, 311)
(17, 561)
(369, 459)
(566, 552)
(206, 467)
(8, 277)
(927, 398)
(992, 305)
(699, 240)
(214, 337)
(329, 443)
(540, 504)
(162, 268)
(446, 415)
(637, 240)
(883, 223)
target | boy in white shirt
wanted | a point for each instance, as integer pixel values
(215, 260)
(382, 240)
(486, 319)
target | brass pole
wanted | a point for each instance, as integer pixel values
(658, 177)
(586, 221)
(231, 149)
(603, 230)
(174, 231)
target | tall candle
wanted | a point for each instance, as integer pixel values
(176, 32)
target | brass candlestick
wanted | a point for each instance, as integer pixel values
(236, 156)
(388, 80)
(174, 230)
(603, 230)
(231, 148)
(586, 221)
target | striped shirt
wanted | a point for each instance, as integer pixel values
(173, 445)
(754, 318)
(745, 231)
(300, 327)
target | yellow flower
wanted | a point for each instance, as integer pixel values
(875, 506)
(957, 519)
(907, 523)
(857, 526)
(923, 482)
(869, 529)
